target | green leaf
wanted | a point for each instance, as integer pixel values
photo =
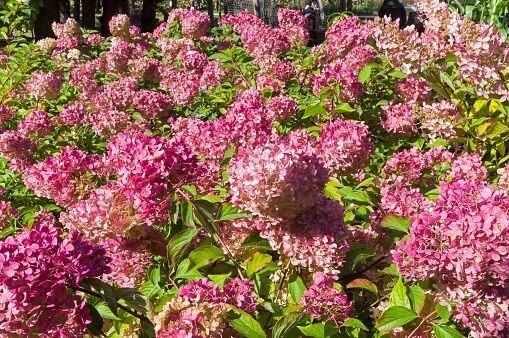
(257, 262)
(187, 213)
(354, 322)
(108, 293)
(365, 74)
(205, 255)
(397, 74)
(396, 223)
(106, 312)
(178, 244)
(255, 243)
(349, 194)
(496, 129)
(395, 317)
(296, 287)
(417, 298)
(228, 212)
(446, 332)
(443, 312)
(154, 275)
(96, 325)
(287, 322)
(313, 111)
(133, 298)
(318, 330)
(362, 283)
(246, 325)
(398, 295)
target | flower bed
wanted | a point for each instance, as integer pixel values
(198, 182)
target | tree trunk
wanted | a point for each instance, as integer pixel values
(88, 20)
(148, 15)
(342, 5)
(48, 14)
(77, 10)
(65, 9)
(110, 9)
(210, 10)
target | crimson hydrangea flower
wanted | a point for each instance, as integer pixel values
(324, 302)
(344, 146)
(37, 269)
(148, 170)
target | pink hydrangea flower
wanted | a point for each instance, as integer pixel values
(18, 149)
(277, 178)
(316, 238)
(63, 177)
(281, 107)
(72, 115)
(38, 267)
(399, 119)
(338, 80)
(461, 244)
(44, 86)
(6, 113)
(129, 261)
(38, 122)
(201, 309)
(153, 105)
(293, 25)
(344, 146)
(324, 302)
(119, 26)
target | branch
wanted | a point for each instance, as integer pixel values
(124, 308)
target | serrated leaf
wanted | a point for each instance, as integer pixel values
(398, 295)
(106, 312)
(365, 74)
(228, 212)
(446, 332)
(178, 245)
(287, 322)
(362, 283)
(296, 287)
(154, 275)
(443, 312)
(417, 298)
(205, 255)
(354, 322)
(318, 330)
(257, 262)
(246, 325)
(349, 194)
(496, 129)
(396, 223)
(395, 317)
